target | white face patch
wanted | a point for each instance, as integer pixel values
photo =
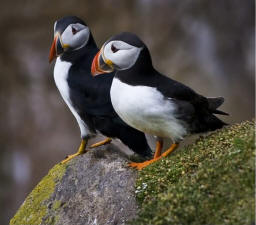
(78, 39)
(121, 54)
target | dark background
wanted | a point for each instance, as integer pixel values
(208, 45)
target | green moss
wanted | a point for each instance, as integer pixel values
(34, 208)
(56, 205)
(51, 220)
(209, 182)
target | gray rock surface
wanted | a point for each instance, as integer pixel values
(95, 188)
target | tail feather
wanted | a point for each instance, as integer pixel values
(214, 103)
(215, 111)
(213, 122)
(206, 122)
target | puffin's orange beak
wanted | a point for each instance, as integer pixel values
(101, 65)
(57, 47)
(53, 53)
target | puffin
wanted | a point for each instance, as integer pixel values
(150, 101)
(87, 98)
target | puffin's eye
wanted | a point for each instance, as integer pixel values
(74, 31)
(114, 49)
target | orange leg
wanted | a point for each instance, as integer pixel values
(81, 150)
(139, 166)
(104, 142)
(169, 150)
(157, 156)
(159, 146)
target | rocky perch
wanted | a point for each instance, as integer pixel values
(208, 182)
(95, 188)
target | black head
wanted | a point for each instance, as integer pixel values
(61, 24)
(70, 35)
(122, 52)
(129, 38)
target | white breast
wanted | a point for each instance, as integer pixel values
(61, 70)
(146, 109)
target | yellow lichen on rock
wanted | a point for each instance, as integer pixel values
(34, 208)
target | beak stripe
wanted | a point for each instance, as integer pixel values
(101, 65)
(107, 61)
(53, 54)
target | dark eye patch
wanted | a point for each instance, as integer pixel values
(74, 30)
(114, 49)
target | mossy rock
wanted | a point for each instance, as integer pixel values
(208, 182)
(35, 207)
(95, 188)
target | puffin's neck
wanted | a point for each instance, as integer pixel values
(139, 72)
(86, 51)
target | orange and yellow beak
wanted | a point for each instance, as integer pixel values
(57, 48)
(101, 65)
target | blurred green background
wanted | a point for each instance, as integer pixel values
(208, 45)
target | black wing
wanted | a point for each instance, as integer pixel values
(193, 108)
(178, 91)
(89, 94)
